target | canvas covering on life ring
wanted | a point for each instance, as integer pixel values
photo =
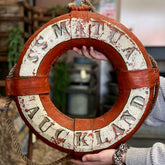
(138, 82)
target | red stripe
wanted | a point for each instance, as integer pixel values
(27, 86)
(138, 78)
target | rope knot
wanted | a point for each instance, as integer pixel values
(80, 8)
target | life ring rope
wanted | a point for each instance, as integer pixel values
(157, 81)
(13, 134)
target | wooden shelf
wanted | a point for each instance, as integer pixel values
(15, 2)
(6, 34)
(4, 49)
(40, 18)
(15, 18)
(23, 17)
(2, 83)
(3, 58)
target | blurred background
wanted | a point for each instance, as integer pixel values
(89, 87)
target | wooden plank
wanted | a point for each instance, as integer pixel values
(42, 19)
(38, 10)
(14, 3)
(3, 59)
(4, 49)
(4, 34)
(26, 5)
(2, 83)
(15, 18)
(10, 2)
(11, 18)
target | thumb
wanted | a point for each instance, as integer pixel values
(90, 158)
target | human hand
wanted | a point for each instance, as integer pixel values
(91, 53)
(102, 158)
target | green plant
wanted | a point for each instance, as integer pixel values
(15, 41)
(57, 8)
(61, 82)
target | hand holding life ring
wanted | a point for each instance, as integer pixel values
(91, 53)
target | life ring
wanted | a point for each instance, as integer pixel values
(138, 81)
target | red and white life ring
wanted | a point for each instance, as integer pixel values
(137, 81)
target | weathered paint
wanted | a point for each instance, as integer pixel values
(64, 30)
(91, 139)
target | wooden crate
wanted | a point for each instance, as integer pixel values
(13, 13)
(50, 3)
(40, 17)
(43, 15)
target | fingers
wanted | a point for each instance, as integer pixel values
(97, 55)
(77, 50)
(85, 52)
(89, 159)
(91, 53)
(102, 158)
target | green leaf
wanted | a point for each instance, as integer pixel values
(15, 41)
